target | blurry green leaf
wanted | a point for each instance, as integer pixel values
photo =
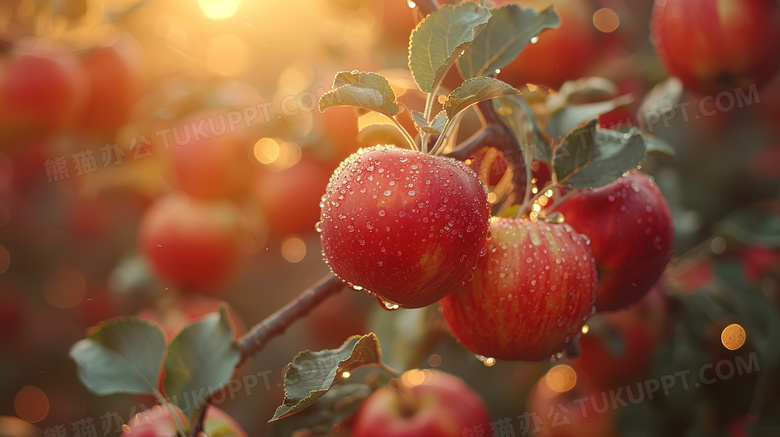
(407, 336)
(581, 91)
(474, 91)
(662, 99)
(311, 374)
(122, 355)
(589, 157)
(440, 38)
(506, 34)
(201, 360)
(751, 226)
(568, 117)
(364, 90)
(515, 113)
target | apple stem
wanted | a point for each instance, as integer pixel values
(277, 323)
(410, 141)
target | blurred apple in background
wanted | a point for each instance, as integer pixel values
(40, 90)
(193, 244)
(559, 54)
(290, 197)
(116, 78)
(735, 44)
(563, 405)
(207, 157)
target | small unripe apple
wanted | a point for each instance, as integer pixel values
(404, 225)
(715, 46)
(632, 236)
(529, 295)
(421, 403)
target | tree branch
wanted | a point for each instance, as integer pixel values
(277, 323)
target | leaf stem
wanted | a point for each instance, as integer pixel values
(405, 133)
(393, 372)
(170, 408)
(277, 323)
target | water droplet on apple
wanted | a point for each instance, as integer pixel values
(387, 193)
(387, 305)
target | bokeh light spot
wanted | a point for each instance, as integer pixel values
(266, 150)
(219, 9)
(31, 404)
(606, 20)
(434, 360)
(561, 378)
(733, 337)
(293, 249)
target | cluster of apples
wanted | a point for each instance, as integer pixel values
(45, 88)
(415, 229)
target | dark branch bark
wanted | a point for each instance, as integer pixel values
(277, 323)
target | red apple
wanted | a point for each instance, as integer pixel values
(116, 80)
(618, 348)
(632, 236)
(528, 296)
(159, 422)
(557, 409)
(560, 54)
(290, 198)
(40, 90)
(190, 243)
(421, 403)
(718, 46)
(207, 158)
(405, 225)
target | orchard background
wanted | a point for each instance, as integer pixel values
(128, 126)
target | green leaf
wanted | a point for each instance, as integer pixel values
(436, 125)
(407, 336)
(566, 118)
(589, 157)
(506, 34)
(440, 38)
(662, 99)
(516, 115)
(122, 355)
(439, 121)
(364, 90)
(584, 90)
(474, 91)
(334, 407)
(658, 146)
(201, 360)
(311, 374)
